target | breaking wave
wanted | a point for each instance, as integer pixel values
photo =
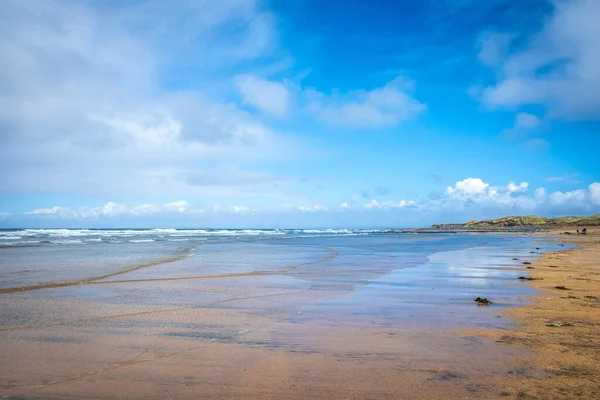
(37, 237)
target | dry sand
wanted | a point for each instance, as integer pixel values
(561, 325)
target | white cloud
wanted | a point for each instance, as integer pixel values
(385, 106)
(559, 67)
(145, 209)
(594, 190)
(241, 209)
(574, 197)
(568, 178)
(467, 188)
(46, 211)
(493, 47)
(474, 191)
(311, 209)
(112, 210)
(269, 97)
(540, 194)
(372, 204)
(475, 196)
(179, 206)
(522, 187)
(386, 205)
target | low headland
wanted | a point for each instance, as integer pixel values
(529, 223)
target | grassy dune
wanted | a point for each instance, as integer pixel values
(524, 221)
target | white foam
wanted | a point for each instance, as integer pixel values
(57, 232)
(11, 237)
(73, 241)
(79, 236)
(21, 243)
(326, 231)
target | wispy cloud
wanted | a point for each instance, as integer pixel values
(384, 106)
(493, 48)
(567, 178)
(269, 97)
(87, 105)
(557, 69)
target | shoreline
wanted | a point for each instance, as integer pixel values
(561, 325)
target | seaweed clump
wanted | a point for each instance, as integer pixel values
(482, 301)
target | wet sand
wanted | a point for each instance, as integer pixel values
(396, 335)
(561, 325)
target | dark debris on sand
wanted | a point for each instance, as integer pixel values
(527, 278)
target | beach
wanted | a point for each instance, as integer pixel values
(318, 314)
(561, 325)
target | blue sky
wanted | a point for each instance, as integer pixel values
(247, 113)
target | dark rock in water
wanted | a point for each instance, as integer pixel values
(482, 301)
(526, 263)
(515, 258)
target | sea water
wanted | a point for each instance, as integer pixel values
(362, 268)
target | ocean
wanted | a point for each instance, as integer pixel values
(336, 261)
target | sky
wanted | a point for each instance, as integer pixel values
(292, 114)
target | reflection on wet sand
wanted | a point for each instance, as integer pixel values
(352, 318)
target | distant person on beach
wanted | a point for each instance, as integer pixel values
(584, 231)
(578, 231)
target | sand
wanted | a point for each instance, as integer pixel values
(568, 351)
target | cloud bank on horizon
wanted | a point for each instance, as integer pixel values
(240, 113)
(465, 199)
